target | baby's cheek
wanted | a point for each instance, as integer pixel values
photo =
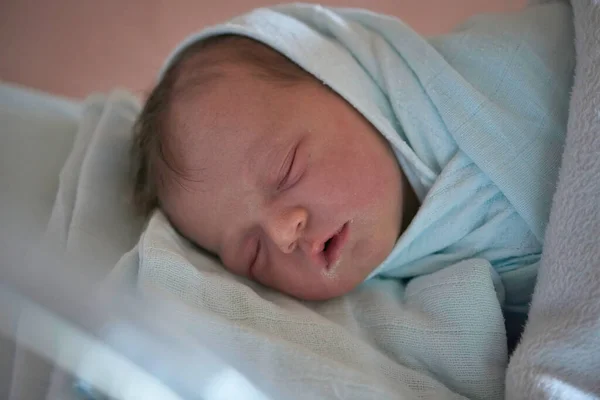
(372, 183)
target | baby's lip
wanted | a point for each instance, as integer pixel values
(325, 252)
(337, 242)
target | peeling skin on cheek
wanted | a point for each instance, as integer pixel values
(331, 273)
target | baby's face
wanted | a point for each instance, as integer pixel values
(289, 186)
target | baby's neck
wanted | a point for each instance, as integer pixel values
(410, 204)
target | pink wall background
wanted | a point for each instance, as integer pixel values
(74, 47)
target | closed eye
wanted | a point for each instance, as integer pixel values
(254, 260)
(287, 167)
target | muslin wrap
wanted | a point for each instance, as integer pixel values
(477, 119)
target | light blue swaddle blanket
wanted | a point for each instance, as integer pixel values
(476, 118)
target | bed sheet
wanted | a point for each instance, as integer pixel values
(36, 135)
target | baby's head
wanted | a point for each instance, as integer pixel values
(253, 159)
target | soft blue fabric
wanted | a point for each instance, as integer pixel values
(476, 118)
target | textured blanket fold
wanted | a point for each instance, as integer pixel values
(385, 340)
(559, 354)
(476, 118)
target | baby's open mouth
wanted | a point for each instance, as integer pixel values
(334, 245)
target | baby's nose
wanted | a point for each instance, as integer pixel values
(288, 228)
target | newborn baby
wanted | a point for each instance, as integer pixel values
(255, 160)
(311, 149)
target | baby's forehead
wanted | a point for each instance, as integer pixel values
(228, 112)
(209, 124)
(206, 142)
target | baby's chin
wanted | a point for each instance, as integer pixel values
(335, 283)
(322, 291)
